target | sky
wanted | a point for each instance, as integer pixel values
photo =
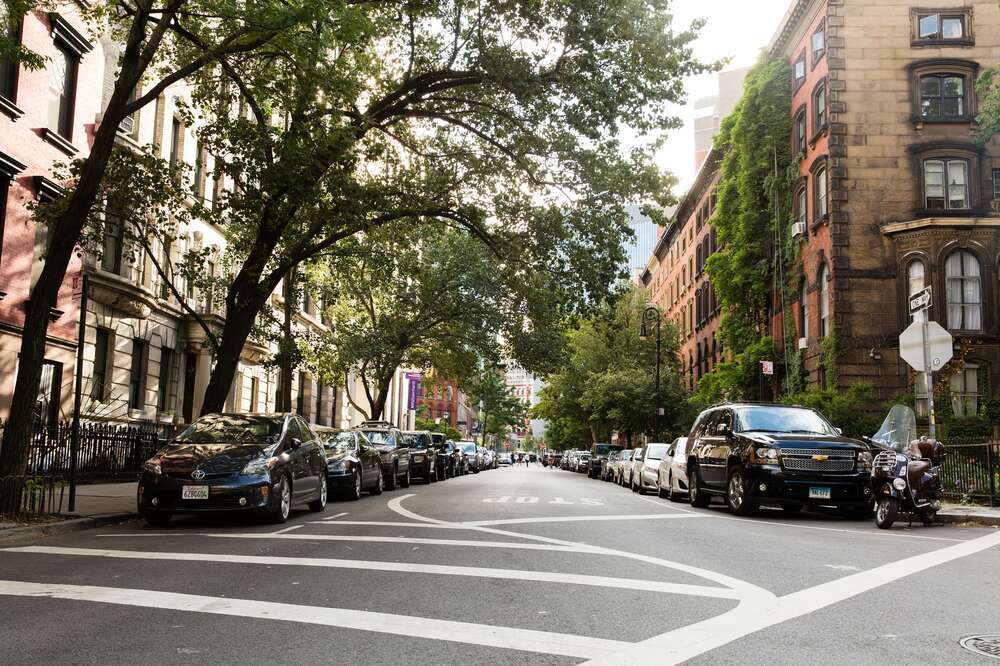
(737, 29)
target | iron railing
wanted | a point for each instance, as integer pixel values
(33, 495)
(970, 472)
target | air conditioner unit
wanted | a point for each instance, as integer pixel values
(803, 343)
(798, 229)
(127, 125)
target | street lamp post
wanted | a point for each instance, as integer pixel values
(652, 314)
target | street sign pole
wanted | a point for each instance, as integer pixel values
(929, 379)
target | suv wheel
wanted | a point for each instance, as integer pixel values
(697, 496)
(405, 481)
(380, 484)
(738, 494)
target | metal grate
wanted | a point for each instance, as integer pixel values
(804, 460)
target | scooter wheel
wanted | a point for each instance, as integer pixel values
(928, 517)
(886, 510)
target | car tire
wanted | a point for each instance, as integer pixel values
(157, 518)
(405, 481)
(281, 496)
(379, 483)
(738, 494)
(696, 496)
(318, 505)
(662, 492)
(355, 491)
(886, 510)
(393, 480)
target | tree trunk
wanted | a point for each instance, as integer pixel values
(286, 357)
(235, 331)
(378, 405)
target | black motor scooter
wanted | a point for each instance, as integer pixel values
(906, 471)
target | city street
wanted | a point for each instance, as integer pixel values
(511, 566)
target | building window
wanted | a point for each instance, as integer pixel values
(942, 96)
(49, 393)
(137, 374)
(62, 90)
(301, 397)
(318, 414)
(942, 27)
(190, 377)
(800, 130)
(102, 363)
(800, 70)
(824, 302)
(114, 242)
(818, 43)
(996, 185)
(820, 205)
(964, 291)
(254, 394)
(804, 310)
(8, 67)
(819, 108)
(166, 366)
(176, 139)
(965, 391)
(915, 282)
(801, 205)
(946, 184)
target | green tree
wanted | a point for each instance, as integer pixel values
(434, 426)
(499, 409)
(159, 45)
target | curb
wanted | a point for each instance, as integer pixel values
(20, 535)
(988, 519)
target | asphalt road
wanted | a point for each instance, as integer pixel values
(513, 566)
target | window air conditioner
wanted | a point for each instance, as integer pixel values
(798, 229)
(803, 343)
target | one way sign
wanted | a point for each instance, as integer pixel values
(920, 301)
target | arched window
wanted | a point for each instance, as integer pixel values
(964, 291)
(915, 281)
(824, 302)
(804, 310)
(965, 391)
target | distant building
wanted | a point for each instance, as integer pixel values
(709, 112)
(527, 387)
(641, 246)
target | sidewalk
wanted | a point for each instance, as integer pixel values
(961, 513)
(96, 505)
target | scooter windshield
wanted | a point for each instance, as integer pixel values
(898, 429)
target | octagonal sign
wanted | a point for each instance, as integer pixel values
(911, 345)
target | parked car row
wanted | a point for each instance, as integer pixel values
(270, 463)
(747, 455)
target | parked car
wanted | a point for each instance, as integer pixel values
(532, 457)
(673, 481)
(461, 460)
(450, 457)
(623, 468)
(599, 453)
(424, 460)
(504, 459)
(353, 464)
(491, 462)
(646, 467)
(608, 465)
(555, 459)
(472, 456)
(484, 458)
(758, 453)
(443, 460)
(388, 439)
(583, 462)
(235, 462)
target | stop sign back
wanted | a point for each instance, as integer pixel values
(911, 345)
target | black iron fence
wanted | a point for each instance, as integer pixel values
(971, 473)
(106, 452)
(33, 495)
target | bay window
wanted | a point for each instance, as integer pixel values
(946, 184)
(963, 286)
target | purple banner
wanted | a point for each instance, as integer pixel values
(414, 389)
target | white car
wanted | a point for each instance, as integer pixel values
(646, 467)
(673, 471)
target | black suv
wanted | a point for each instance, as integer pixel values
(393, 449)
(423, 455)
(757, 453)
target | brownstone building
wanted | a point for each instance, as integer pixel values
(896, 194)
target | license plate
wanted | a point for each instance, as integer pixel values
(194, 492)
(819, 493)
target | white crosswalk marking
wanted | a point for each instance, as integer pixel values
(566, 645)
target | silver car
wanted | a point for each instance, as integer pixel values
(673, 471)
(646, 467)
(623, 467)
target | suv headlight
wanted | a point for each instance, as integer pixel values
(764, 455)
(865, 460)
(259, 465)
(418, 458)
(152, 466)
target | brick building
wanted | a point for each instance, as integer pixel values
(443, 399)
(46, 116)
(678, 282)
(895, 194)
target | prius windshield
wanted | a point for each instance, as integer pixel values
(773, 419)
(232, 429)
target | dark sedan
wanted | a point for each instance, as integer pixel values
(235, 462)
(424, 461)
(444, 461)
(390, 443)
(450, 458)
(474, 461)
(353, 464)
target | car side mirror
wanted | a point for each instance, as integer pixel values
(721, 428)
(839, 431)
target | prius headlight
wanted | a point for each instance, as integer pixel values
(259, 465)
(152, 466)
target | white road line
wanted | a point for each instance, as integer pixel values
(577, 519)
(687, 642)
(404, 567)
(287, 529)
(765, 521)
(382, 523)
(395, 505)
(334, 517)
(567, 645)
